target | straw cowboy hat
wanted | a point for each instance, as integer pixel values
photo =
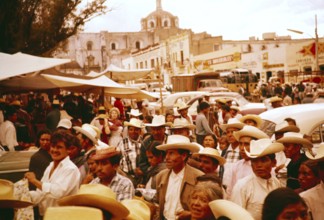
(97, 196)
(275, 99)
(16, 103)
(262, 147)
(249, 131)
(89, 131)
(138, 209)
(234, 107)
(285, 127)
(211, 152)
(101, 145)
(56, 102)
(64, 123)
(134, 122)
(319, 153)
(252, 117)
(181, 106)
(102, 116)
(182, 123)
(295, 138)
(105, 153)
(231, 210)
(101, 108)
(221, 100)
(73, 213)
(179, 142)
(134, 112)
(158, 121)
(232, 123)
(7, 199)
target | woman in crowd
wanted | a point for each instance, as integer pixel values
(115, 126)
(308, 175)
(210, 141)
(222, 143)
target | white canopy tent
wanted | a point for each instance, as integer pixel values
(122, 75)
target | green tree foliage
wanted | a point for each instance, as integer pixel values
(37, 26)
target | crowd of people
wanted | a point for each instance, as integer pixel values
(122, 162)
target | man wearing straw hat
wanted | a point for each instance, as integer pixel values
(174, 185)
(251, 191)
(88, 135)
(209, 160)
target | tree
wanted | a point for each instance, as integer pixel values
(37, 26)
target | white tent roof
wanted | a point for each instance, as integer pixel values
(141, 94)
(120, 74)
(20, 63)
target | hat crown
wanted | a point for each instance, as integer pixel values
(137, 208)
(258, 146)
(176, 139)
(97, 189)
(294, 135)
(135, 123)
(233, 121)
(65, 123)
(158, 120)
(210, 151)
(281, 125)
(90, 130)
(180, 122)
(135, 112)
(6, 190)
(181, 105)
(250, 131)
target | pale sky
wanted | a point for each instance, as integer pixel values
(233, 19)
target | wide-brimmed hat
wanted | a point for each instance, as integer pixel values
(252, 117)
(178, 142)
(275, 99)
(231, 210)
(181, 106)
(138, 209)
(181, 123)
(249, 131)
(262, 147)
(97, 196)
(211, 152)
(56, 102)
(105, 153)
(73, 213)
(101, 108)
(318, 155)
(295, 138)
(157, 121)
(234, 107)
(134, 112)
(64, 123)
(88, 131)
(285, 127)
(221, 100)
(102, 116)
(134, 122)
(232, 123)
(7, 199)
(16, 103)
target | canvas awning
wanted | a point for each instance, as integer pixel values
(122, 75)
(141, 94)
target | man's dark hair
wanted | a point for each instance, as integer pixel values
(64, 136)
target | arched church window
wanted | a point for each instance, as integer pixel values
(152, 24)
(138, 45)
(89, 45)
(90, 59)
(113, 46)
(165, 24)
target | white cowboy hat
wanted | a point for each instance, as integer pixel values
(285, 127)
(73, 213)
(221, 100)
(211, 152)
(231, 210)
(101, 145)
(181, 106)
(262, 147)
(64, 123)
(182, 123)
(134, 112)
(102, 116)
(234, 107)
(105, 152)
(138, 209)
(295, 138)
(249, 131)
(178, 142)
(252, 117)
(232, 123)
(319, 153)
(158, 121)
(275, 99)
(97, 196)
(134, 122)
(88, 131)
(7, 199)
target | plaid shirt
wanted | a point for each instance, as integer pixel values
(231, 157)
(122, 186)
(130, 150)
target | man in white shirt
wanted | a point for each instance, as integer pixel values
(175, 184)
(61, 178)
(251, 191)
(8, 137)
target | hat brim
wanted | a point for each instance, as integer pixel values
(156, 125)
(191, 127)
(271, 149)
(183, 108)
(255, 134)
(257, 120)
(81, 130)
(221, 160)
(115, 208)
(185, 146)
(294, 140)
(231, 210)
(234, 125)
(289, 128)
(12, 203)
(126, 124)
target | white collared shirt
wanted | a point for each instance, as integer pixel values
(172, 198)
(64, 181)
(314, 200)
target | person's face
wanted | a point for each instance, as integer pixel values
(134, 132)
(158, 133)
(45, 142)
(113, 115)
(174, 160)
(73, 152)
(199, 206)
(101, 121)
(223, 144)
(209, 142)
(229, 133)
(233, 112)
(250, 122)
(182, 131)
(58, 151)
(13, 118)
(207, 164)
(306, 177)
(296, 211)
(83, 141)
(291, 150)
(244, 143)
(262, 166)
(105, 170)
(92, 165)
(183, 112)
(153, 160)
(169, 118)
